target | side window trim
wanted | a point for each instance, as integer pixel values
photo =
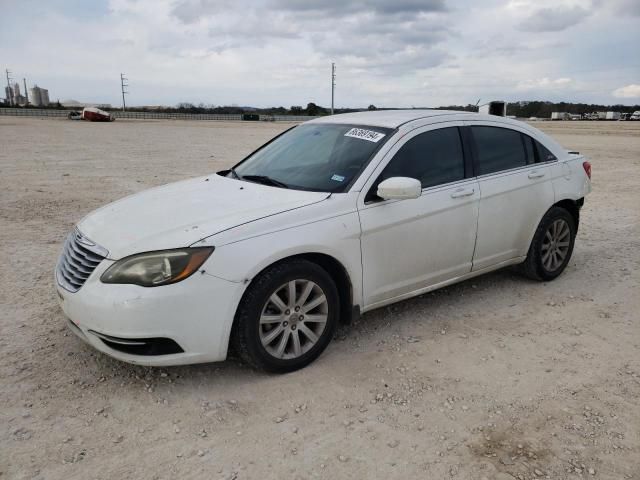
(374, 201)
(445, 185)
(526, 152)
(469, 152)
(506, 172)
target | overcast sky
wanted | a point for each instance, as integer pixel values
(278, 52)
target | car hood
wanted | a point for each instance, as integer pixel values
(179, 214)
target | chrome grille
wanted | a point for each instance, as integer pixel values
(80, 257)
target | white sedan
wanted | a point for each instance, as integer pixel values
(334, 217)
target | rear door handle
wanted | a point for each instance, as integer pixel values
(536, 174)
(463, 193)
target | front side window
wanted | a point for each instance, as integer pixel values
(319, 157)
(433, 157)
(498, 149)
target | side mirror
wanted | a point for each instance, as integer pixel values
(399, 188)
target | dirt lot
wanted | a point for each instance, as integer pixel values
(495, 378)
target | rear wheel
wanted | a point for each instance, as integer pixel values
(287, 317)
(552, 245)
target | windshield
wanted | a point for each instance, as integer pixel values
(320, 157)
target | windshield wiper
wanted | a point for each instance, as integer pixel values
(265, 180)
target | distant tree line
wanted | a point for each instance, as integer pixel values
(461, 108)
(544, 109)
(522, 109)
(311, 109)
(540, 109)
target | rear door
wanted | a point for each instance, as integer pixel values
(411, 244)
(515, 179)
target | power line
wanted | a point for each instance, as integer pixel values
(9, 89)
(123, 79)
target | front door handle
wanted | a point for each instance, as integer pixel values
(536, 174)
(463, 193)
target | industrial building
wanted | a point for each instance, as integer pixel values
(35, 96)
(14, 96)
(39, 96)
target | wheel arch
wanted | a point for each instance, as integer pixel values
(572, 206)
(532, 265)
(340, 275)
(335, 269)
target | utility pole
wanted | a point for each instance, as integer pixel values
(26, 93)
(333, 84)
(10, 91)
(123, 79)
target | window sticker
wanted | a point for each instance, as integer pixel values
(362, 134)
(337, 178)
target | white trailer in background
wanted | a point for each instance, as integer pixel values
(612, 116)
(559, 116)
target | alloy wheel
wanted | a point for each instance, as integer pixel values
(555, 245)
(293, 319)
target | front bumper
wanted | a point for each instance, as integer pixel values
(195, 314)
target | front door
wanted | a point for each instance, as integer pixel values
(408, 245)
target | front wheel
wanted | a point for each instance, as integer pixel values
(552, 245)
(287, 317)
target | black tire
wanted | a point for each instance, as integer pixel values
(534, 267)
(245, 337)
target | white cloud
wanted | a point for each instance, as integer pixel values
(629, 91)
(278, 52)
(626, 7)
(544, 82)
(554, 19)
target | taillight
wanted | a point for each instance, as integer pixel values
(587, 169)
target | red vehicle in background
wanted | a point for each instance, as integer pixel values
(93, 114)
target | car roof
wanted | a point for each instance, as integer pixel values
(397, 118)
(393, 118)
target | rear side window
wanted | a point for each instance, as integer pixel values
(544, 155)
(433, 157)
(498, 149)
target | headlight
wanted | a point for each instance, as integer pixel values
(153, 269)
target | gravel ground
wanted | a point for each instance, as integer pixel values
(495, 378)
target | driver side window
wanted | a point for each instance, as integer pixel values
(433, 157)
